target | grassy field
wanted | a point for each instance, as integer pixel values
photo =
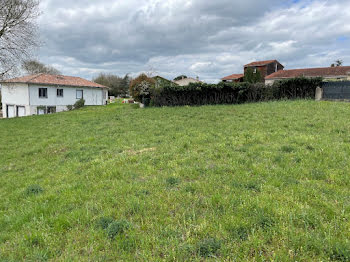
(253, 182)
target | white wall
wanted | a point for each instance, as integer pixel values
(14, 94)
(92, 96)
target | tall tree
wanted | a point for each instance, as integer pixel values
(118, 86)
(32, 67)
(18, 33)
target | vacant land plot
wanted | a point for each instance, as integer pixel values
(250, 182)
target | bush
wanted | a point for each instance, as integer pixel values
(79, 104)
(233, 93)
(140, 87)
(70, 107)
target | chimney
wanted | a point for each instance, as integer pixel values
(197, 78)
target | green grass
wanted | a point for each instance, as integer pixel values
(253, 182)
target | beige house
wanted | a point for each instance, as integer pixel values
(187, 81)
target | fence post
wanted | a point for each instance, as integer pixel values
(318, 94)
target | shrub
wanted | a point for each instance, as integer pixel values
(140, 87)
(70, 107)
(116, 228)
(208, 247)
(79, 104)
(233, 93)
(34, 190)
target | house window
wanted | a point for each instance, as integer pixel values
(80, 94)
(42, 92)
(254, 70)
(59, 92)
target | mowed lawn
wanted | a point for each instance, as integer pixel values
(252, 182)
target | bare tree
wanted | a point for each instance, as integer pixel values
(337, 63)
(18, 33)
(32, 67)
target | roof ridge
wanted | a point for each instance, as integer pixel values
(35, 76)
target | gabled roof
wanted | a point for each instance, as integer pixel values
(233, 77)
(261, 63)
(311, 72)
(57, 80)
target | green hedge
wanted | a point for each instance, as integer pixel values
(234, 93)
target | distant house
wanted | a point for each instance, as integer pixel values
(161, 81)
(187, 81)
(44, 94)
(328, 73)
(233, 78)
(265, 67)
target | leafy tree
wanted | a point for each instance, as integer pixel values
(18, 33)
(32, 67)
(251, 77)
(141, 86)
(179, 77)
(118, 86)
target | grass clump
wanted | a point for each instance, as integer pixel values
(208, 247)
(34, 190)
(116, 228)
(104, 222)
(172, 181)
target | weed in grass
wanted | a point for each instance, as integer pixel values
(172, 181)
(208, 247)
(34, 190)
(34, 241)
(190, 189)
(117, 227)
(263, 218)
(239, 232)
(104, 222)
(287, 149)
(340, 251)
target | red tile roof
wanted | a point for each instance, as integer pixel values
(311, 72)
(261, 63)
(233, 77)
(59, 80)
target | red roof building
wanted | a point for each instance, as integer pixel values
(233, 78)
(59, 80)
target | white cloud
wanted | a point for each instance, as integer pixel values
(210, 39)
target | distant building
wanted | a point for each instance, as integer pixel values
(187, 81)
(265, 67)
(161, 81)
(233, 78)
(328, 73)
(45, 94)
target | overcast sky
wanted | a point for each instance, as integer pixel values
(205, 38)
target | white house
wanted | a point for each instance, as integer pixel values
(46, 94)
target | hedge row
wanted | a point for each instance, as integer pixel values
(234, 93)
